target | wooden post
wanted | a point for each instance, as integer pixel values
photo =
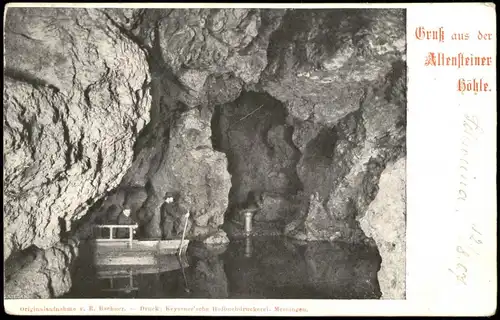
(248, 222)
(130, 236)
(110, 233)
(184, 232)
(248, 247)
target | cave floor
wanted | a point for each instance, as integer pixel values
(251, 268)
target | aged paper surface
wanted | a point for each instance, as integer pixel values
(450, 195)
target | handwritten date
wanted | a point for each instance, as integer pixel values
(466, 250)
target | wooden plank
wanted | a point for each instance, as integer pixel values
(133, 226)
(121, 289)
(126, 260)
(157, 246)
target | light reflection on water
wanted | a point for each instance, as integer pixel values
(266, 267)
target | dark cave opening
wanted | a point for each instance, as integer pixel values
(317, 163)
(253, 133)
(322, 147)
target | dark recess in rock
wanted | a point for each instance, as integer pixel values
(253, 133)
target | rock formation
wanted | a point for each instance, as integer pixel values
(187, 164)
(346, 95)
(74, 102)
(321, 62)
(40, 273)
(385, 222)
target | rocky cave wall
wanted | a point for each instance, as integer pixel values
(385, 222)
(105, 109)
(74, 102)
(341, 76)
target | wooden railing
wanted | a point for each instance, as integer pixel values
(111, 227)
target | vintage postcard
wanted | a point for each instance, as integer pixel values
(250, 159)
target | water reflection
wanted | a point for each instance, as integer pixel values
(251, 268)
(207, 277)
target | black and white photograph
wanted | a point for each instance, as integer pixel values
(204, 153)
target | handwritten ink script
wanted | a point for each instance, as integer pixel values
(459, 59)
(470, 243)
(465, 251)
(471, 131)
